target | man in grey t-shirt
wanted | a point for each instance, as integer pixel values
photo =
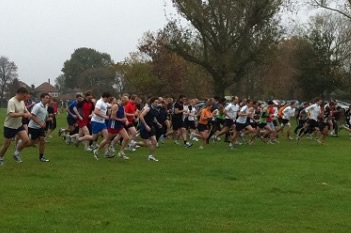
(36, 126)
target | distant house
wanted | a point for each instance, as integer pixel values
(70, 94)
(46, 87)
(22, 84)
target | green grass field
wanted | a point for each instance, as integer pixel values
(261, 188)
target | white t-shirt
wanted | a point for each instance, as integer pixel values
(288, 113)
(186, 109)
(315, 111)
(243, 119)
(41, 112)
(232, 111)
(192, 115)
(102, 106)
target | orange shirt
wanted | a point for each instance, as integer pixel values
(206, 115)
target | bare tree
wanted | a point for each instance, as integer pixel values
(342, 7)
(8, 72)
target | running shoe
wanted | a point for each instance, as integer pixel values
(17, 157)
(43, 159)
(152, 158)
(123, 156)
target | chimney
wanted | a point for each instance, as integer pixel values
(49, 81)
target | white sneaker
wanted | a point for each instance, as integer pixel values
(176, 142)
(109, 155)
(195, 139)
(96, 154)
(130, 149)
(152, 158)
(89, 149)
(123, 156)
(112, 149)
(17, 157)
(162, 139)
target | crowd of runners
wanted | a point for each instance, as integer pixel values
(103, 124)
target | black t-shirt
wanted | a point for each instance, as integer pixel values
(179, 106)
(51, 111)
(162, 116)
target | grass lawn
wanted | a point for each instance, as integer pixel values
(261, 188)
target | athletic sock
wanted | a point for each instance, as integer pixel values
(41, 156)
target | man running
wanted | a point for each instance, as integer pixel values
(37, 124)
(13, 126)
(116, 125)
(177, 120)
(147, 130)
(313, 113)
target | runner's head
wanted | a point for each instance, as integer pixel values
(125, 100)
(89, 95)
(153, 102)
(21, 93)
(106, 96)
(45, 98)
(318, 101)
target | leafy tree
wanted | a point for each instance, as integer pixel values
(60, 83)
(224, 37)
(319, 61)
(83, 59)
(8, 72)
(13, 87)
(98, 80)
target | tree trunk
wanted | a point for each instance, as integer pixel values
(219, 87)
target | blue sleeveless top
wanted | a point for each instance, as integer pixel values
(112, 124)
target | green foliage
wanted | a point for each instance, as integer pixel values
(84, 59)
(319, 65)
(225, 37)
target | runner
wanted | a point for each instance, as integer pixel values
(37, 124)
(205, 116)
(313, 113)
(84, 111)
(177, 121)
(147, 130)
(13, 126)
(241, 123)
(116, 127)
(288, 112)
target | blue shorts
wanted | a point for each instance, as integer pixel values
(97, 127)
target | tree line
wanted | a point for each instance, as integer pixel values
(218, 47)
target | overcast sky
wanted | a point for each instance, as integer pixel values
(40, 35)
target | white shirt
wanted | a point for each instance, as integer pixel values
(276, 111)
(102, 106)
(315, 111)
(232, 111)
(288, 113)
(41, 112)
(186, 109)
(243, 119)
(192, 114)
